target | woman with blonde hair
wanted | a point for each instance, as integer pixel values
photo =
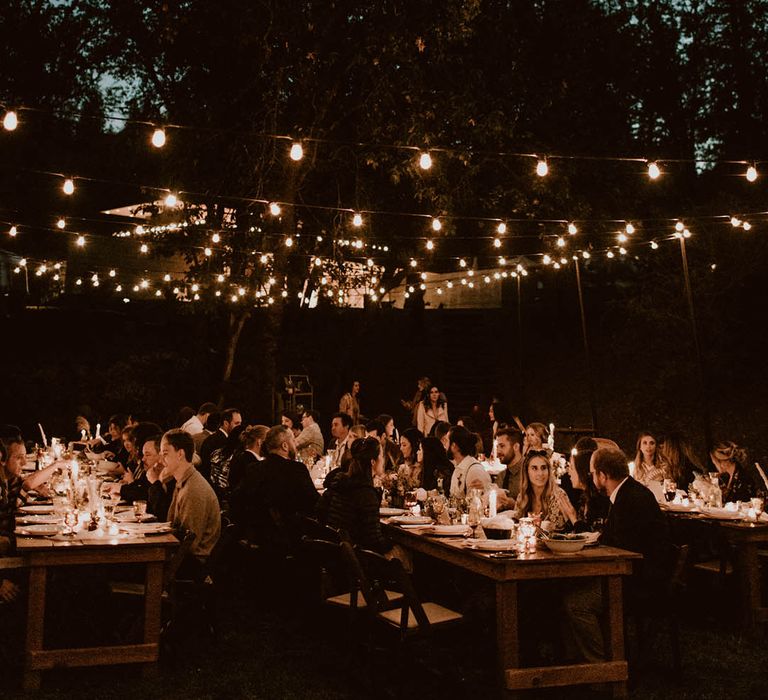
(681, 461)
(536, 437)
(540, 495)
(649, 464)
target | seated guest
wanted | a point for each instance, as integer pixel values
(739, 480)
(389, 425)
(136, 486)
(212, 424)
(340, 427)
(440, 430)
(242, 463)
(274, 491)
(196, 424)
(649, 464)
(536, 437)
(409, 472)
(591, 505)
(500, 416)
(540, 495)
(635, 523)
(221, 458)
(310, 443)
(351, 503)
(161, 486)
(469, 423)
(12, 458)
(468, 473)
(291, 420)
(436, 467)
(194, 505)
(374, 428)
(681, 462)
(230, 419)
(509, 451)
(111, 444)
(358, 431)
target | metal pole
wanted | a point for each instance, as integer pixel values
(518, 279)
(585, 341)
(696, 346)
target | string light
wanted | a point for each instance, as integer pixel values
(61, 223)
(572, 230)
(425, 161)
(166, 277)
(501, 229)
(274, 209)
(215, 238)
(463, 262)
(357, 220)
(436, 224)
(171, 200)
(630, 229)
(10, 121)
(496, 243)
(546, 260)
(80, 241)
(144, 248)
(289, 242)
(542, 169)
(746, 226)
(297, 152)
(112, 273)
(622, 238)
(158, 138)
(430, 245)
(13, 231)
(679, 226)
(561, 242)
(654, 245)
(413, 263)
(263, 259)
(585, 254)
(735, 222)
(751, 174)
(653, 171)
(207, 252)
(609, 254)
(139, 230)
(69, 186)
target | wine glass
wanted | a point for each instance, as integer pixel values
(70, 521)
(757, 504)
(139, 510)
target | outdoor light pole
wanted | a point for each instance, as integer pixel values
(585, 340)
(696, 346)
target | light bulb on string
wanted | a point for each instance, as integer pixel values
(609, 254)
(144, 248)
(496, 243)
(622, 238)
(10, 121)
(413, 263)
(171, 200)
(546, 260)
(436, 224)
(542, 169)
(501, 229)
(13, 231)
(207, 252)
(430, 244)
(69, 186)
(112, 273)
(679, 226)
(425, 161)
(735, 222)
(166, 277)
(357, 220)
(139, 230)
(274, 209)
(630, 229)
(297, 152)
(654, 245)
(653, 171)
(746, 226)
(585, 254)
(462, 262)
(215, 238)
(80, 242)
(60, 224)
(158, 138)
(751, 173)
(289, 242)
(572, 230)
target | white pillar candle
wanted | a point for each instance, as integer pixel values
(98, 430)
(632, 469)
(492, 503)
(82, 434)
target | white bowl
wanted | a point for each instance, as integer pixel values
(567, 546)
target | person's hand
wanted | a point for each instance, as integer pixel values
(8, 591)
(565, 506)
(127, 477)
(44, 490)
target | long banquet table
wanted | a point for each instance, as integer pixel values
(38, 555)
(605, 562)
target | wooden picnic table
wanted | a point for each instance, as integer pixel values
(606, 562)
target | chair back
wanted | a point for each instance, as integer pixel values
(328, 561)
(379, 574)
(187, 540)
(313, 528)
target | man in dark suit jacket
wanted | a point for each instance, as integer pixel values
(635, 522)
(274, 492)
(230, 419)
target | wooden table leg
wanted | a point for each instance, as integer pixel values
(35, 625)
(153, 600)
(616, 629)
(507, 639)
(748, 566)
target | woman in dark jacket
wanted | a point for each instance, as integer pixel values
(436, 464)
(351, 502)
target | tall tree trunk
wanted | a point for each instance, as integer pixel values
(236, 322)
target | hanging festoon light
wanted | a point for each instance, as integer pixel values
(497, 243)
(542, 168)
(10, 120)
(357, 220)
(69, 186)
(430, 244)
(561, 242)
(436, 224)
(751, 173)
(629, 228)
(158, 138)
(622, 238)
(735, 222)
(215, 238)
(80, 241)
(144, 248)
(501, 229)
(653, 170)
(274, 209)
(746, 226)
(679, 226)
(297, 152)
(171, 200)
(60, 224)
(425, 161)
(13, 231)
(572, 230)
(289, 242)
(654, 245)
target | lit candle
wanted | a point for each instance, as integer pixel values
(74, 470)
(551, 439)
(98, 430)
(82, 434)
(493, 451)
(492, 503)
(632, 469)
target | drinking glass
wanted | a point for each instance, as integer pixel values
(70, 521)
(670, 489)
(139, 510)
(757, 504)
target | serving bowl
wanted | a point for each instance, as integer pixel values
(566, 544)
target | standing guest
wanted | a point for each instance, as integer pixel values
(272, 494)
(310, 443)
(435, 464)
(635, 523)
(212, 424)
(540, 495)
(196, 423)
(194, 505)
(252, 438)
(409, 472)
(739, 480)
(509, 450)
(422, 385)
(351, 503)
(350, 404)
(468, 473)
(536, 437)
(230, 419)
(340, 427)
(649, 464)
(591, 506)
(433, 408)
(681, 461)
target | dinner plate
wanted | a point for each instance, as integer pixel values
(39, 530)
(411, 520)
(492, 545)
(722, 514)
(145, 528)
(39, 519)
(392, 511)
(449, 530)
(128, 516)
(678, 507)
(36, 509)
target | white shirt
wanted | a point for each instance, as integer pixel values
(616, 490)
(468, 468)
(193, 426)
